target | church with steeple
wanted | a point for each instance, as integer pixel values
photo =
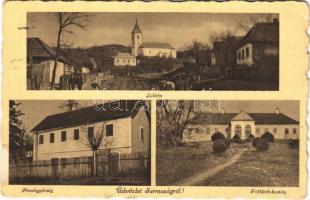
(149, 49)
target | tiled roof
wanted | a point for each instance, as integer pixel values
(259, 118)
(263, 32)
(242, 116)
(162, 45)
(120, 55)
(128, 108)
(36, 48)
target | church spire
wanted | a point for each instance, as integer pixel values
(136, 28)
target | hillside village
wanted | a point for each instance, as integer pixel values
(249, 62)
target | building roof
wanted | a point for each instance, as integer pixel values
(136, 28)
(242, 116)
(36, 48)
(263, 32)
(120, 55)
(161, 45)
(113, 110)
(226, 118)
(230, 43)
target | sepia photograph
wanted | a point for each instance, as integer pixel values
(79, 142)
(248, 143)
(152, 51)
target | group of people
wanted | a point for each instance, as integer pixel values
(70, 82)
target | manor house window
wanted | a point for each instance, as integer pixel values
(109, 130)
(294, 130)
(41, 139)
(247, 52)
(142, 134)
(52, 138)
(247, 130)
(90, 132)
(238, 130)
(76, 134)
(286, 131)
(63, 136)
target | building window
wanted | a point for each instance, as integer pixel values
(275, 130)
(294, 130)
(76, 134)
(238, 130)
(76, 162)
(63, 163)
(63, 136)
(257, 131)
(52, 138)
(142, 134)
(242, 53)
(286, 131)
(247, 52)
(208, 131)
(239, 55)
(41, 139)
(90, 132)
(248, 130)
(109, 130)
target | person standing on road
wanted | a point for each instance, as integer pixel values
(72, 82)
(79, 81)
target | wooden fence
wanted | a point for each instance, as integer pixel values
(107, 165)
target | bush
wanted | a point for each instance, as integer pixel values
(220, 146)
(217, 136)
(251, 136)
(293, 143)
(260, 144)
(268, 136)
(236, 139)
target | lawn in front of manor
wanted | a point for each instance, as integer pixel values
(277, 167)
(178, 163)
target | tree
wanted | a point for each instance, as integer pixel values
(69, 105)
(246, 24)
(16, 131)
(173, 119)
(66, 21)
(221, 36)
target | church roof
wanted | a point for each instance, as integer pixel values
(136, 28)
(163, 45)
(226, 118)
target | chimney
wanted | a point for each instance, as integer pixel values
(277, 110)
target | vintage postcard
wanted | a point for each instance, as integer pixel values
(155, 100)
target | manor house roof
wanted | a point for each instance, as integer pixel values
(226, 118)
(91, 114)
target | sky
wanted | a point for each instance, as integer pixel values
(36, 110)
(178, 29)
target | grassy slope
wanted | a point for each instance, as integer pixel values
(276, 167)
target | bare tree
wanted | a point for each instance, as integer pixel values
(246, 24)
(69, 105)
(173, 119)
(221, 36)
(66, 20)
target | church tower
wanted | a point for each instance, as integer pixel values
(136, 39)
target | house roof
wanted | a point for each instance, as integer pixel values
(231, 43)
(120, 55)
(162, 45)
(263, 32)
(36, 48)
(226, 118)
(113, 110)
(242, 116)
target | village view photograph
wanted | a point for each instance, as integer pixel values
(227, 143)
(152, 51)
(79, 142)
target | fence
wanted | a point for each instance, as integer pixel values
(107, 165)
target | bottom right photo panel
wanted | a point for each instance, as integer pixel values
(227, 143)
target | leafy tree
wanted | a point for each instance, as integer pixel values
(16, 131)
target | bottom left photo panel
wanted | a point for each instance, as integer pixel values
(79, 142)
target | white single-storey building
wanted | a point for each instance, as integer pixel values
(124, 59)
(203, 125)
(125, 126)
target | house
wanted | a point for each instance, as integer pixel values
(223, 52)
(40, 62)
(203, 125)
(150, 49)
(124, 59)
(259, 44)
(124, 125)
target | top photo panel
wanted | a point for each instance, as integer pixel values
(153, 51)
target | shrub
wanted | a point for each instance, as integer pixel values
(219, 146)
(268, 136)
(236, 139)
(260, 144)
(217, 136)
(293, 143)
